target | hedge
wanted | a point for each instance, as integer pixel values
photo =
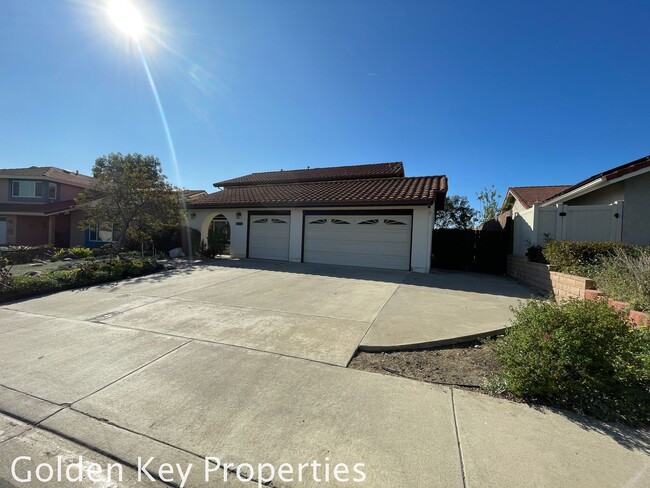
(87, 274)
(582, 258)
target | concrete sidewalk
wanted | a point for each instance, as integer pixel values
(139, 393)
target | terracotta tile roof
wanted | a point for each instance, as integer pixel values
(362, 171)
(421, 190)
(610, 174)
(530, 195)
(49, 173)
(192, 194)
(38, 208)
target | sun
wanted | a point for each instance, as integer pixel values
(126, 17)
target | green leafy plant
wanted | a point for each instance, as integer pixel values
(131, 195)
(489, 200)
(73, 252)
(535, 253)
(625, 276)
(579, 355)
(216, 243)
(6, 278)
(456, 214)
(581, 258)
(19, 254)
(87, 273)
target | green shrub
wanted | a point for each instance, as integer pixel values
(73, 252)
(626, 277)
(195, 243)
(163, 239)
(216, 244)
(581, 258)
(6, 277)
(579, 355)
(535, 254)
(23, 254)
(81, 252)
(87, 274)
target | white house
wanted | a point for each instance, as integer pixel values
(609, 206)
(367, 215)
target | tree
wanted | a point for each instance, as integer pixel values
(131, 193)
(457, 214)
(488, 199)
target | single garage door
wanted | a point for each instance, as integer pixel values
(268, 237)
(376, 241)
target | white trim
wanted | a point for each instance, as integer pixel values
(574, 193)
(592, 186)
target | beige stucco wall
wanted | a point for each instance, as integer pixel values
(518, 207)
(636, 211)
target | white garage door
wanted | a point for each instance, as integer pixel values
(268, 237)
(377, 241)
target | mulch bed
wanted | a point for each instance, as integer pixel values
(465, 365)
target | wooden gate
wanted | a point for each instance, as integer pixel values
(481, 251)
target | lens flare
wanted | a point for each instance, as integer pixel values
(126, 17)
(129, 20)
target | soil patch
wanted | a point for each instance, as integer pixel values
(466, 365)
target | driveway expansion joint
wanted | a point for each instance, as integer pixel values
(131, 372)
(126, 429)
(220, 343)
(458, 443)
(372, 322)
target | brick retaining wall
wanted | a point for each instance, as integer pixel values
(540, 278)
(543, 280)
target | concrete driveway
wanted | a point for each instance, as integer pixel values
(320, 313)
(224, 361)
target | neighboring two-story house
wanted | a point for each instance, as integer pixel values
(37, 207)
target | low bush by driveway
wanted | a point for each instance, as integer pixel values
(85, 273)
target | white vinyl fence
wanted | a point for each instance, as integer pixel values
(566, 223)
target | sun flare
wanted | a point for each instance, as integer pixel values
(126, 17)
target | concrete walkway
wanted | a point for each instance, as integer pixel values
(79, 374)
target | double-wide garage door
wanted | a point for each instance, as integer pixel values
(377, 241)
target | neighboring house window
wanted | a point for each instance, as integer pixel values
(102, 233)
(51, 191)
(26, 189)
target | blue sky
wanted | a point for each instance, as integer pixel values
(505, 93)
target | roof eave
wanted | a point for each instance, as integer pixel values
(403, 203)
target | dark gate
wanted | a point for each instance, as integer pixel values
(481, 251)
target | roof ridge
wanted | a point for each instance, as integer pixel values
(322, 182)
(536, 186)
(319, 168)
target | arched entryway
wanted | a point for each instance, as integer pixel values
(218, 239)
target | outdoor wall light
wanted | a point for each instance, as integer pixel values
(238, 215)
(192, 215)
